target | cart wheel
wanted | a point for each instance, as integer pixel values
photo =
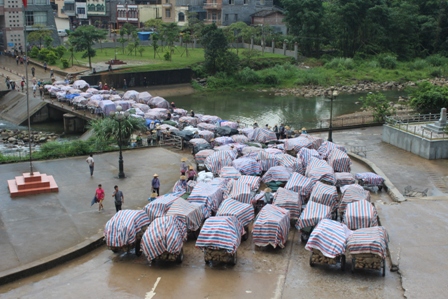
(353, 265)
(234, 259)
(380, 188)
(384, 267)
(311, 260)
(180, 257)
(246, 236)
(343, 263)
(114, 250)
(138, 252)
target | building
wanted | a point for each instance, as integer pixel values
(272, 17)
(38, 12)
(127, 13)
(60, 9)
(226, 12)
(89, 12)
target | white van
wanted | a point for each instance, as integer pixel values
(62, 33)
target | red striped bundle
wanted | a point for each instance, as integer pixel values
(206, 127)
(230, 124)
(246, 131)
(267, 160)
(271, 227)
(205, 212)
(346, 187)
(247, 166)
(193, 121)
(258, 196)
(305, 155)
(344, 178)
(291, 162)
(325, 194)
(262, 135)
(123, 227)
(202, 155)
(339, 160)
(277, 174)
(229, 172)
(369, 240)
(190, 186)
(351, 194)
(252, 181)
(240, 191)
(370, 178)
(274, 151)
(329, 237)
(240, 138)
(319, 170)
(312, 214)
(221, 183)
(218, 160)
(326, 147)
(221, 232)
(207, 135)
(223, 140)
(197, 141)
(242, 211)
(165, 234)
(161, 205)
(288, 200)
(316, 142)
(211, 119)
(210, 196)
(297, 143)
(360, 214)
(300, 184)
(180, 186)
(191, 214)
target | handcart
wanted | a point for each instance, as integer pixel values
(271, 227)
(243, 212)
(326, 195)
(160, 206)
(290, 201)
(351, 194)
(360, 214)
(190, 213)
(371, 180)
(319, 170)
(312, 214)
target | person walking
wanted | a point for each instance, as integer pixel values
(156, 184)
(183, 166)
(275, 129)
(125, 85)
(91, 163)
(45, 66)
(17, 60)
(191, 174)
(7, 81)
(13, 85)
(34, 90)
(99, 193)
(119, 198)
(51, 73)
(33, 71)
(41, 92)
(145, 82)
(22, 84)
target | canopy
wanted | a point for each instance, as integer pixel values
(329, 237)
(371, 240)
(161, 205)
(271, 227)
(242, 211)
(221, 232)
(123, 227)
(190, 214)
(360, 214)
(288, 200)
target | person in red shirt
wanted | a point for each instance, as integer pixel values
(191, 174)
(105, 87)
(99, 193)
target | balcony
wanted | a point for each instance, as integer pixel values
(210, 21)
(167, 5)
(212, 5)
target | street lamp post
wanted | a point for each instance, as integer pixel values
(330, 130)
(120, 116)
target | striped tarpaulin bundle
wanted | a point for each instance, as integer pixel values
(346, 187)
(180, 111)
(251, 155)
(206, 127)
(233, 152)
(252, 181)
(123, 227)
(277, 174)
(352, 193)
(369, 240)
(202, 155)
(229, 172)
(240, 191)
(326, 147)
(221, 183)
(231, 124)
(221, 232)
(288, 200)
(196, 141)
(312, 214)
(164, 127)
(262, 135)
(291, 162)
(273, 150)
(211, 119)
(189, 120)
(165, 234)
(316, 142)
(305, 155)
(240, 138)
(190, 186)
(258, 196)
(325, 194)
(339, 160)
(297, 143)
(242, 211)
(207, 135)
(205, 211)
(223, 140)
(267, 160)
(180, 186)
(319, 170)
(360, 214)
(246, 131)
(271, 227)
(218, 160)
(300, 184)
(370, 178)
(192, 214)
(344, 178)
(247, 166)
(329, 237)
(207, 194)
(161, 205)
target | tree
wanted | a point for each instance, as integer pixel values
(106, 129)
(215, 47)
(170, 32)
(38, 34)
(429, 98)
(155, 45)
(128, 29)
(379, 105)
(154, 24)
(83, 39)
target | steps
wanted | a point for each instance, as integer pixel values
(28, 184)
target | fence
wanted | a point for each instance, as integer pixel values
(415, 125)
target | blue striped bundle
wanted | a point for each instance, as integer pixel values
(252, 181)
(210, 196)
(288, 200)
(191, 214)
(267, 160)
(206, 127)
(218, 160)
(346, 187)
(344, 178)
(369, 240)
(227, 149)
(291, 162)
(326, 147)
(300, 184)
(193, 121)
(319, 170)
(370, 178)
(240, 191)
(240, 138)
(242, 211)
(351, 194)
(297, 143)
(325, 194)
(221, 183)
(123, 227)
(271, 227)
(229, 172)
(221, 232)
(211, 119)
(316, 142)
(202, 155)
(180, 187)
(246, 131)
(262, 135)
(360, 214)
(339, 160)
(250, 154)
(305, 155)
(205, 212)
(329, 237)
(161, 205)
(207, 135)
(165, 234)
(273, 150)
(312, 214)
(190, 186)
(197, 141)
(223, 140)
(231, 124)
(247, 166)
(277, 174)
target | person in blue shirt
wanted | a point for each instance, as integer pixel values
(156, 184)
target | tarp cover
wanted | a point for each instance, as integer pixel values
(131, 95)
(329, 237)
(209, 195)
(277, 173)
(243, 212)
(339, 160)
(271, 227)
(291, 162)
(370, 178)
(262, 135)
(161, 205)
(218, 160)
(202, 155)
(351, 194)
(312, 214)
(360, 214)
(159, 102)
(344, 178)
(191, 214)
(247, 166)
(123, 227)
(369, 240)
(300, 184)
(288, 200)
(240, 191)
(229, 172)
(319, 170)
(326, 147)
(325, 194)
(221, 232)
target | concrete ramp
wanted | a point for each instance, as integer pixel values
(13, 107)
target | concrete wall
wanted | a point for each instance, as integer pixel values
(46, 113)
(425, 148)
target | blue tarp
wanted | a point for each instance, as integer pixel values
(144, 35)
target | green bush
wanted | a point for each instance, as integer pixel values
(34, 52)
(43, 54)
(436, 60)
(65, 63)
(248, 76)
(198, 71)
(215, 83)
(418, 64)
(60, 50)
(52, 57)
(167, 56)
(312, 77)
(340, 63)
(271, 79)
(387, 61)
(436, 72)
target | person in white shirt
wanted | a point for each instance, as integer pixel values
(91, 163)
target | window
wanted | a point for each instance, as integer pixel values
(81, 11)
(181, 17)
(236, 17)
(168, 13)
(29, 17)
(226, 17)
(231, 2)
(35, 17)
(245, 2)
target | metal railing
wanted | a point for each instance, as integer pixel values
(415, 125)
